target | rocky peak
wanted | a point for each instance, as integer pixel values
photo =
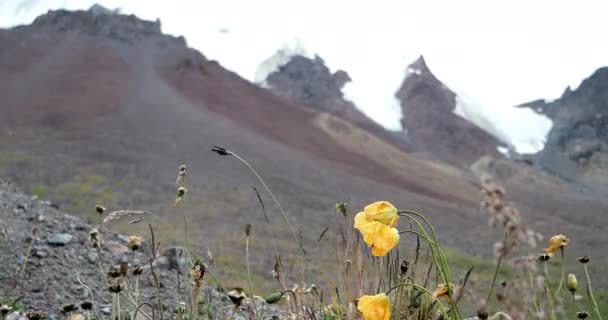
(431, 124)
(98, 21)
(310, 82)
(578, 140)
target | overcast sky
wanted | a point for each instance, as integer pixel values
(495, 55)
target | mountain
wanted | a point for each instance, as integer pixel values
(309, 82)
(577, 145)
(99, 107)
(430, 122)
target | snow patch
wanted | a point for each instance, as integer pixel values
(503, 150)
(522, 129)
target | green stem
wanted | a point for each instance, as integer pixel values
(255, 308)
(495, 273)
(563, 272)
(293, 232)
(421, 288)
(590, 292)
(550, 300)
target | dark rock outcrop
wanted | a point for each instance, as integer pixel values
(578, 140)
(430, 122)
(309, 82)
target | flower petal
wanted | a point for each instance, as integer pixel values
(385, 239)
(383, 212)
(376, 307)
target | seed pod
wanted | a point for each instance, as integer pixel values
(87, 305)
(544, 257)
(137, 270)
(584, 259)
(100, 209)
(404, 267)
(274, 298)
(35, 315)
(69, 308)
(582, 315)
(571, 282)
(247, 230)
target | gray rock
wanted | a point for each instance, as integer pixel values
(176, 258)
(60, 239)
(92, 256)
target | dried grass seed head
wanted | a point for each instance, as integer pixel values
(137, 270)
(237, 296)
(134, 242)
(35, 315)
(86, 305)
(69, 308)
(116, 287)
(584, 259)
(247, 230)
(5, 309)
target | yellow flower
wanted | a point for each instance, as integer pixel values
(555, 243)
(383, 212)
(442, 291)
(380, 237)
(376, 307)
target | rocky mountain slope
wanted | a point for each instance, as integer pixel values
(430, 122)
(577, 145)
(48, 259)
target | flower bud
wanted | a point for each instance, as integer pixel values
(572, 283)
(274, 298)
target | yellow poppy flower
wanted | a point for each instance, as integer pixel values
(380, 237)
(376, 307)
(555, 243)
(383, 212)
(442, 291)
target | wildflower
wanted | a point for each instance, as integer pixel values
(555, 243)
(571, 282)
(380, 237)
(134, 242)
(584, 259)
(376, 307)
(182, 307)
(582, 315)
(237, 296)
(443, 291)
(383, 212)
